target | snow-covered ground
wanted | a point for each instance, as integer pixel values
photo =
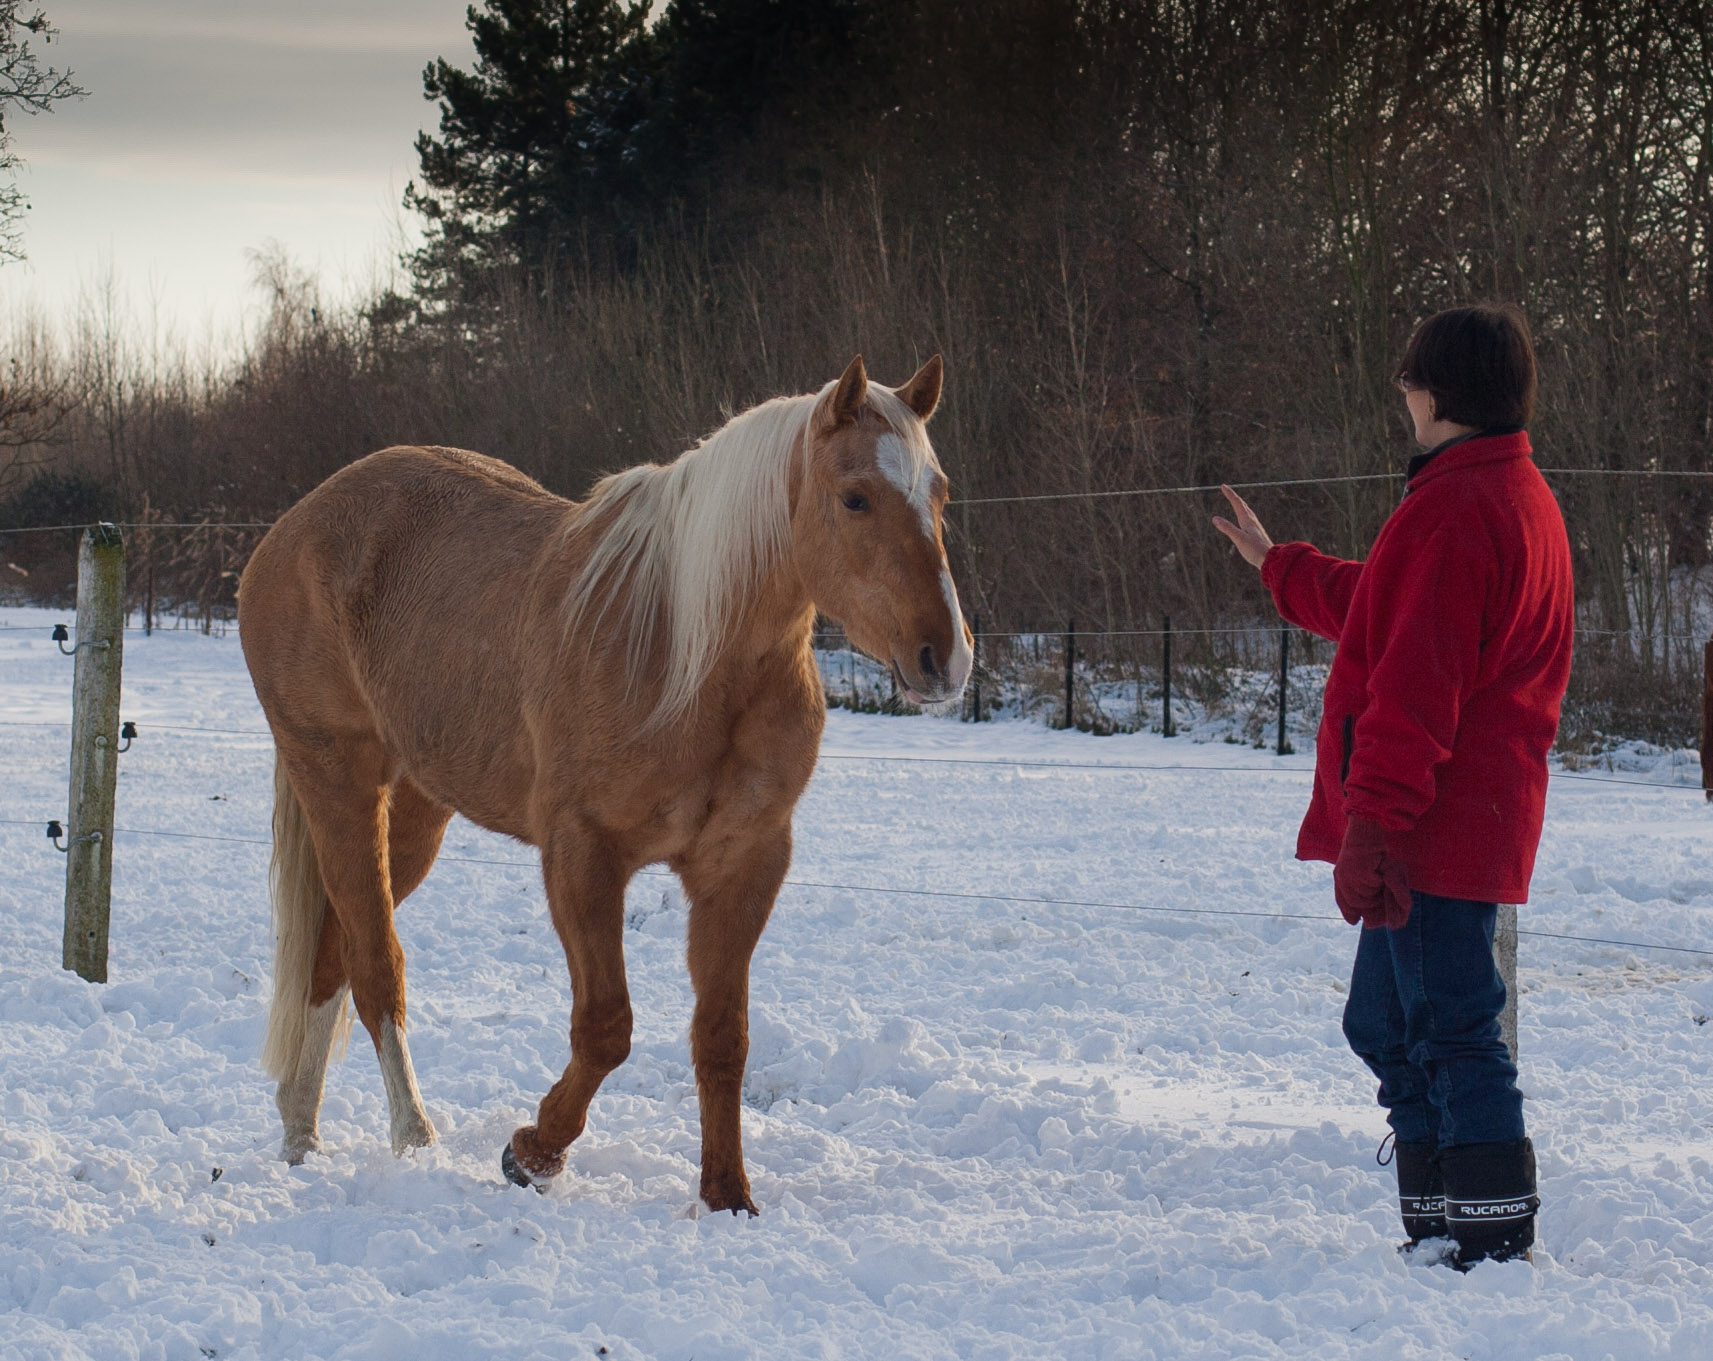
(978, 1126)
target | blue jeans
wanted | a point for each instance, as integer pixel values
(1423, 1014)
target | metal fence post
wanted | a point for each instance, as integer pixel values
(148, 582)
(975, 669)
(1070, 659)
(1505, 957)
(1707, 720)
(1166, 729)
(94, 750)
(1284, 747)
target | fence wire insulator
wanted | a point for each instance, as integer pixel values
(56, 831)
(127, 735)
(62, 636)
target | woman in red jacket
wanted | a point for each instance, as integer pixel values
(1430, 773)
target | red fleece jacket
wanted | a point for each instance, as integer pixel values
(1454, 645)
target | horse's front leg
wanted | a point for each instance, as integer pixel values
(731, 883)
(585, 894)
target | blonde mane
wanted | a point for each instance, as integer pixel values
(683, 547)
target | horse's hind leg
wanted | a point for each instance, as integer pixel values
(299, 1093)
(415, 825)
(308, 1012)
(586, 895)
(345, 799)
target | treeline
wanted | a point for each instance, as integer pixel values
(1160, 243)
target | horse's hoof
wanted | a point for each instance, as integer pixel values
(526, 1163)
(415, 1130)
(737, 1201)
(516, 1174)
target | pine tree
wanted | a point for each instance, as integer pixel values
(531, 147)
(729, 66)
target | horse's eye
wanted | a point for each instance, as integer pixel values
(855, 500)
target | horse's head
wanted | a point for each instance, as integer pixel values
(866, 530)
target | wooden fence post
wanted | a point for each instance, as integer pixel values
(1505, 956)
(94, 749)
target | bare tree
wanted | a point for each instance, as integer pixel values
(32, 401)
(28, 86)
(35, 396)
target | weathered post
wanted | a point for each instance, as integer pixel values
(1707, 720)
(1284, 747)
(1070, 679)
(1505, 956)
(94, 749)
(1166, 729)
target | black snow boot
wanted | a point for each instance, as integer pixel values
(1421, 1198)
(1490, 1199)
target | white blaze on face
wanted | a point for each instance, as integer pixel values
(958, 669)
(914, 478)
(909, 476)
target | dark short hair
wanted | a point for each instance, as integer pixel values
(1479, 364)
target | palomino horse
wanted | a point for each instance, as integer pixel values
(617, 682)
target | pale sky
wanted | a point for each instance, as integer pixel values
(212, 127)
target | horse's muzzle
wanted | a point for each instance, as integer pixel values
(930, 680)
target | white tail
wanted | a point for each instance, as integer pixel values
(294, 880)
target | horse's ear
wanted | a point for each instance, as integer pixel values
(922, 393)
(849, 395)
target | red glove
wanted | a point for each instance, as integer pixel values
(1368, 881)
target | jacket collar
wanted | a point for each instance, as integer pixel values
(1485, 446)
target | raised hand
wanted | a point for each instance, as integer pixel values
(1251, 540)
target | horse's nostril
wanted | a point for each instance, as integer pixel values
(926, 657)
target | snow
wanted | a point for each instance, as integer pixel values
(977, 1126)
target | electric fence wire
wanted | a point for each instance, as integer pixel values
(883, 890)
(1004, 763)
(1196, 489)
